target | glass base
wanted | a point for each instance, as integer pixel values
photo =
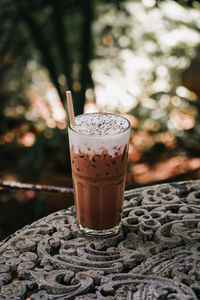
(104, 232)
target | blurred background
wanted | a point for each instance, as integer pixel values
(137, 58)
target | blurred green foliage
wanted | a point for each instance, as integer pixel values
(126, 53)
(150, 57)
(55, 33)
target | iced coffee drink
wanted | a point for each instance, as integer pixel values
(99, 150)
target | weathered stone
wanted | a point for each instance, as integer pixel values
(156, 254)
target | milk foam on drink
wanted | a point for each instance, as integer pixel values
(99, 132)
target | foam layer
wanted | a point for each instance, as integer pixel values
(98, 133)
(98, 124)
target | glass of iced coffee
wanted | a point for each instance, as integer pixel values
(99, 151)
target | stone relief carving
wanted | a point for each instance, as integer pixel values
(156, 255)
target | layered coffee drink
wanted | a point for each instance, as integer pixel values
(99, 150)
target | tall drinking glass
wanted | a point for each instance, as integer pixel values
(99, 151)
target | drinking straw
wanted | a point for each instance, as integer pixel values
(70, 108)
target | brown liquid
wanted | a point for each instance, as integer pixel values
(99, 188)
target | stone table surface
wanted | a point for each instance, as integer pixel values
(156, 255)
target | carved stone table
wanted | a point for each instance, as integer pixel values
(155, 256)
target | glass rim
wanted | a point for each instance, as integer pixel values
(101, 136)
